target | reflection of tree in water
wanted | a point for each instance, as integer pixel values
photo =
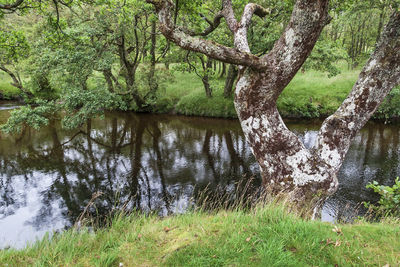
(157, 163)
(142, 162)
(9, 200)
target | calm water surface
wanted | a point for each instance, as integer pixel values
(153, 162)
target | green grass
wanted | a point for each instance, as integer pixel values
(186, 96)
(310, 95)
(6, 89)
(313, 94)
(264, 236)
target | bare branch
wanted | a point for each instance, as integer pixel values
(240, 35)
(213, 24)
(248, 12)
(211, 49)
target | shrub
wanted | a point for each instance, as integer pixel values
(389, 202)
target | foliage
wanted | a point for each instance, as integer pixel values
(87, 42)
(81, 105)
(389, 202)
(390, 109)
(13, 45)
(34, 117)
(78, 105)
(324, 57)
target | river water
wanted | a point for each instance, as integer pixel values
(157, 163)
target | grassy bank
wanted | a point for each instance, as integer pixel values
(267, 236)
(310, 95)
(7, 91)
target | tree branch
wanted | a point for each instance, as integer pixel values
(213, 24)
(216, 51)
(240, 35)
(16, 82)
(11, 6)
(290, 52)
(248, 12)
(227, 11)
(379, 76)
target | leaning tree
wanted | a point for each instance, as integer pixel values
(285, 163)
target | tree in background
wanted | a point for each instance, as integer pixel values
(13, 48)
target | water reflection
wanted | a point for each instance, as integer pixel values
(145, 162)
(153, 162)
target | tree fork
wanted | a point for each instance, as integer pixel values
(285, 163)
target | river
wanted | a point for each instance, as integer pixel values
(155, 163)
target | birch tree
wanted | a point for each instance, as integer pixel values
(285, 163)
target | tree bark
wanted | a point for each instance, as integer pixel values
(107, 76)
(206, 77)
(153, 85)
(285, 163)
(223, 70)
(230, 80)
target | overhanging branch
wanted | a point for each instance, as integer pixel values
(211, 49)
(12, 6)
(250, 10)
(212, 24)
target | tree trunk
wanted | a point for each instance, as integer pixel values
(230, 80)
(307, 174)
(223, 70)
(107, 76)
(153, 85)
(285, 163)
(206, 79)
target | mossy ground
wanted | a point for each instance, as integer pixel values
(263, 236)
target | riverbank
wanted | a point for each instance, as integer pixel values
(310, 95)
(267, 236)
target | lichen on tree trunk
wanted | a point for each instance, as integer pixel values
(285, 163)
